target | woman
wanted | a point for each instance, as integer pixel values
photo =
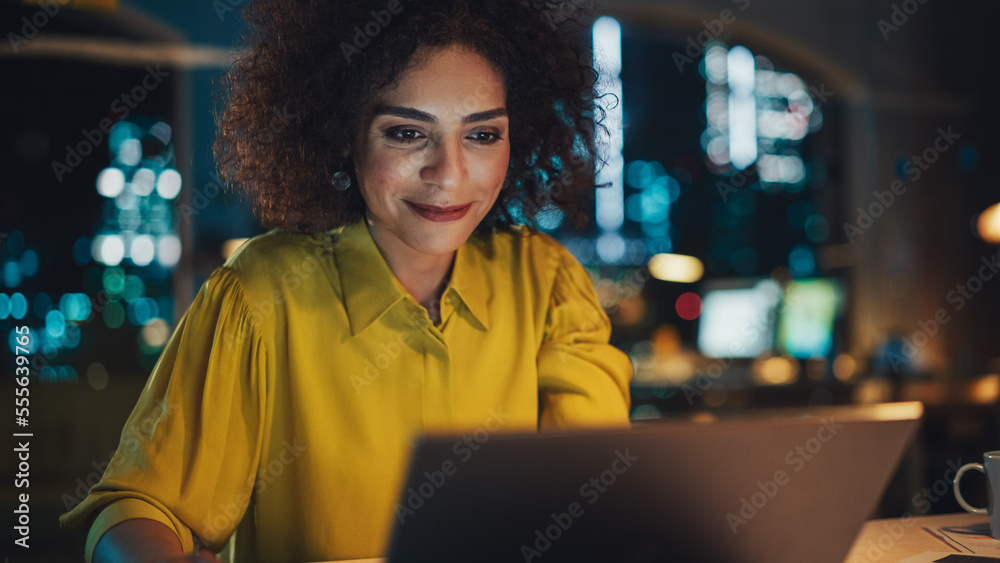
(394, 295)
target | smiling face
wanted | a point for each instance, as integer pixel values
(431, 161)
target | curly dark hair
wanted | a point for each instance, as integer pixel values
(296, 101)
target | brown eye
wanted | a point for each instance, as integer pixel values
(403, 135)
(485, 137)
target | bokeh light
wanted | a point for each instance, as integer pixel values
(81, 251)
(28, 263)
(97, 376)
(143, 182)
(11, 273)
(108, 249)
(161, 131)
(134, 288)
(688, 306)
(142, 250)
(776, 370)
(55, 323)
(802, 261)
(988, 224)
(676, 268)
(610, 248)
(130, 152)
(18, 306)
(15, 243)
(817, 228)
(110, 182)
(73, 333)
(155, 333)
(13, 344)
(168, 185)
(75, 306)
(844, 367)
(142, 310)
(114, 281)
(114, 315)
(168, 251)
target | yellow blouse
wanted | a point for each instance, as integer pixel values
(292, 388)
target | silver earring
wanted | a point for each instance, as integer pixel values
(341, 181)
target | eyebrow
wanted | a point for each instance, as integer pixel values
(412, 113)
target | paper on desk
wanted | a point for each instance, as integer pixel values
(944, 557)
(973, 539)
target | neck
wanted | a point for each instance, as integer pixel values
(424, 276)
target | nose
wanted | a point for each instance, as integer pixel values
(445, 166)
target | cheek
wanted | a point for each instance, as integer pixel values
(495, 169)
(382, 171)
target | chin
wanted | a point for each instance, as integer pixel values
(440, 239)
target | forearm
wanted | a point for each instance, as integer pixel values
(139, 540)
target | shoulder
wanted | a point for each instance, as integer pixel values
(533, 257)
(264, 260)
(525, 244)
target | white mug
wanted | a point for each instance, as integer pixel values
(991, 468)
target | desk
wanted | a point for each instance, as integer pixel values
(884, 541)
(895, 539)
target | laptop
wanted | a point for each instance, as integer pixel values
(772, 486)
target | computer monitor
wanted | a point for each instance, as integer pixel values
(738, 318)
(809, 310)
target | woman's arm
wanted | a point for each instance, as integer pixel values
(141, 540)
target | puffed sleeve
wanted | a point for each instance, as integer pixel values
(582, 379)
(189, 451)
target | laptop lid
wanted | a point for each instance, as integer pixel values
(792, 485)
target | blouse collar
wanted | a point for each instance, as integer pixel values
(370, 288)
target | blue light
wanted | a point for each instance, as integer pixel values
(655, 230)
(47, 373)
(4, 306)
(18, 306)
(32, 341)
(15, 243)
(633, 207)
(120, 132)
(72, 336)
(802, 261)
(655, 203)
(968, 158)
(55, 323)
(29, 263)
(817, 228)
(49, 344)
(67, 373)
(165, 306)
(11, 273)
(639, 174)
(75, 306)
(141, 310)
(81, 251)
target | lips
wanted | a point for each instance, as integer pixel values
(439, 214)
